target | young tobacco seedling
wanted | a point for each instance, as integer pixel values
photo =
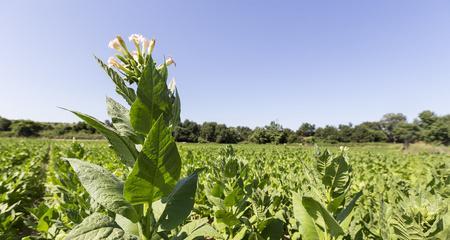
(152, 202)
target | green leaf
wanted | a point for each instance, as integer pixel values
(198, 228)
(120, 117)
(103, 187)
(152, 100)
(176, 109)
(337, 176)
(346, 211)
(314, 209)
(341, 178)
(322, 161)
(98, 226)
(123, 147)
(127, 225)
(126, 92)
(179, 203)
(308, 227)
(228, 218)
(157, 169)
(273, 229)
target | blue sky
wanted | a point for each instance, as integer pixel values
(238, 62)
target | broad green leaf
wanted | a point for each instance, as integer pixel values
(123, 147)
(273, 229)
(98, 226)
(314, 208)
(179, 203)
(127, 225)
(228, 218)
(120, 117)
(307, 225)
(45, 219)
(346, 211)
(176, 109)
(152, 100)
(103, 187)
(198, 228)
(323, 160)
(335, 203)
(341, 178)
(126, 92)
(157, 169)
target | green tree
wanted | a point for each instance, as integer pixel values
(328, 134)
(226, 135)
(208, 131)
(368, 132)
(5, 124)
(406, 133)
(260, 136)
(439, 131)
(244, 133)
(306, 130)
(389, 122)
(26, 128)
(188, 131)
(426, 119)
(345, 132)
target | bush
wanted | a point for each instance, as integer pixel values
(26, 128)
(4, 124)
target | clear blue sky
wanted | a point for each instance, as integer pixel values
(238, 62)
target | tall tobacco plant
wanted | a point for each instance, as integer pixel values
(153, 201)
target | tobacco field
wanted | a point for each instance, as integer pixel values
(245, 191)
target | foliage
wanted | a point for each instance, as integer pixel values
(4, 124)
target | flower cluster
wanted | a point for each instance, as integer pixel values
(131, 63)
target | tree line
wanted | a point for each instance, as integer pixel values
(392, 127)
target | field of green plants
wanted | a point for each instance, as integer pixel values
(244, 192)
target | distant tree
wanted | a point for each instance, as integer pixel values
(289, 136)
(208, 131)
(426, 119)
(5, 124)
(306, 130)
(226, 135)
(275, 132)
(187, 131)
(260, 135)
(389, 122)
(406, 133)
(244, 133)
(328, 134)
(439, 131)
(345, 132)
(83, 127)
(26, 128)
(368, 132)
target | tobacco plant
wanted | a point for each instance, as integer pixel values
(324, 211)
(152, 202)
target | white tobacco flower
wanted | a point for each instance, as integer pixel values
(170, 61)
(148, 45)
(172, 86)
(136, 38)
(135, 55)
(152, 45)
(115, 44)
(112, 62)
